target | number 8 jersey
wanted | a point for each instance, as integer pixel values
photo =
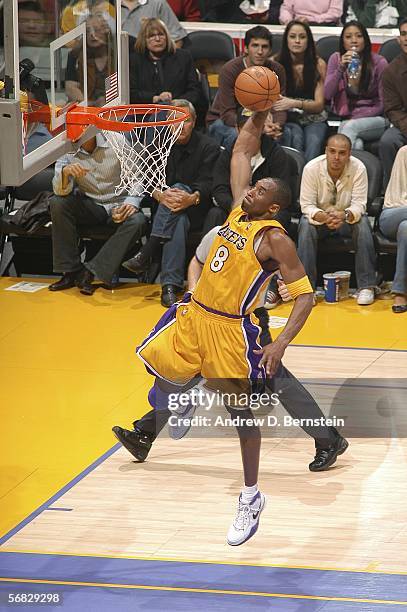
(233, 280)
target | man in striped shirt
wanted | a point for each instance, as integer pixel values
(84, 186)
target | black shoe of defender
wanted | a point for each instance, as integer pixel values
(324, 458)
(136, 442)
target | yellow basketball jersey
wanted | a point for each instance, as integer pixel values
(233, 280)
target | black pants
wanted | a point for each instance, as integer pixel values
(297, 401)
(67, 213)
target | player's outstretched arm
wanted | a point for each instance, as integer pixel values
(281, 248)
(246, 145)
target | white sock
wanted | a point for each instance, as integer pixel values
(248, 493)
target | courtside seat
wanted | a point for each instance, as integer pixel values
(299, 159)
(326, 46)
(210, 50)
(390, 49)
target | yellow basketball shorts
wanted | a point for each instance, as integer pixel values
(191, 339)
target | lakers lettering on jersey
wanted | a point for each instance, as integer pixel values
(233, 279)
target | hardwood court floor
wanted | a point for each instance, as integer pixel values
(69, 373)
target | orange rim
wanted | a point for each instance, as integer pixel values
(114, 125)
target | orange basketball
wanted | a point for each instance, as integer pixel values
(257, 88)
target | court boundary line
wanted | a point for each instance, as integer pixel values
(9, 534)
(349, 348)
(207, 562)
(198, 590)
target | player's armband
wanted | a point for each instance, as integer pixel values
(302, 285)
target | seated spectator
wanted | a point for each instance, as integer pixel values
(181, 207)
(357, 97)
(84, 186)
(34, 29)
(395, 105)
(100, 61)
(333, 202)
(222, 115)
(305, 128)
(313, 12)
(186, 10)
(393, 224)
(134, 11)
(159, 71)
(224, 11)
(374, 14)
(270, 161)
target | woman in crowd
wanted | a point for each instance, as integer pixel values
(393, 224)
(314, 12)
(306, 127)
(160, 72)
(354, 86)
(100, 63)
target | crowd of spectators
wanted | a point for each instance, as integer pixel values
(370, 102)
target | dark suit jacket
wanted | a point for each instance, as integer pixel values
(395, 92)
(175, 72)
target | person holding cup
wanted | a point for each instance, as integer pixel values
(85, 194)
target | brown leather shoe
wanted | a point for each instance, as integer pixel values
(67, 281)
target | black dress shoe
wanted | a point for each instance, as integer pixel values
(137, 442)
(324, 458)
(137, 264)
(67, 281)
(399, 308)
(169, 295)
(84, 282)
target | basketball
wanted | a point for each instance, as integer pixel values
(257, 88)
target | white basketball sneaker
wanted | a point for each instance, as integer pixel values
(247, 520)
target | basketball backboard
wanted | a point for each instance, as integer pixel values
(53, 54)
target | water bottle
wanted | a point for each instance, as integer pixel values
(354, 65)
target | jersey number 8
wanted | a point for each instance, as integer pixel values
(219, 259)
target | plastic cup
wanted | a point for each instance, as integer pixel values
(331, 288)
(344, 280)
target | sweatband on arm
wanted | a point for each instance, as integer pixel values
(300, 286)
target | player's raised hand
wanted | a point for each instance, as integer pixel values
(271, 357)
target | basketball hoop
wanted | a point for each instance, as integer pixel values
(141, 136)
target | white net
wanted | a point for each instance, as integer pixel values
(143, 151)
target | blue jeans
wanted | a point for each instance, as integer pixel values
(393, 224)
(365, 255)
(366, 128)
(309, 138)
(165, 220)
(223, 134)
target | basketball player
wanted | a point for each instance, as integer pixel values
(213, 330)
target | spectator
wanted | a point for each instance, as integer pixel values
(222, 115)
(224, 11)
(357, 97)
(186, 10)
(333, 202)
(78, 11)
(274, 11)
(313, 12)
(395, 105)
(159, 71)
(393, 224)
(270, 161)
(100, 61)
(133, 12)
(181, 207)
(305, 72)
(374, 14)
(84, 186)
(34, 30)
